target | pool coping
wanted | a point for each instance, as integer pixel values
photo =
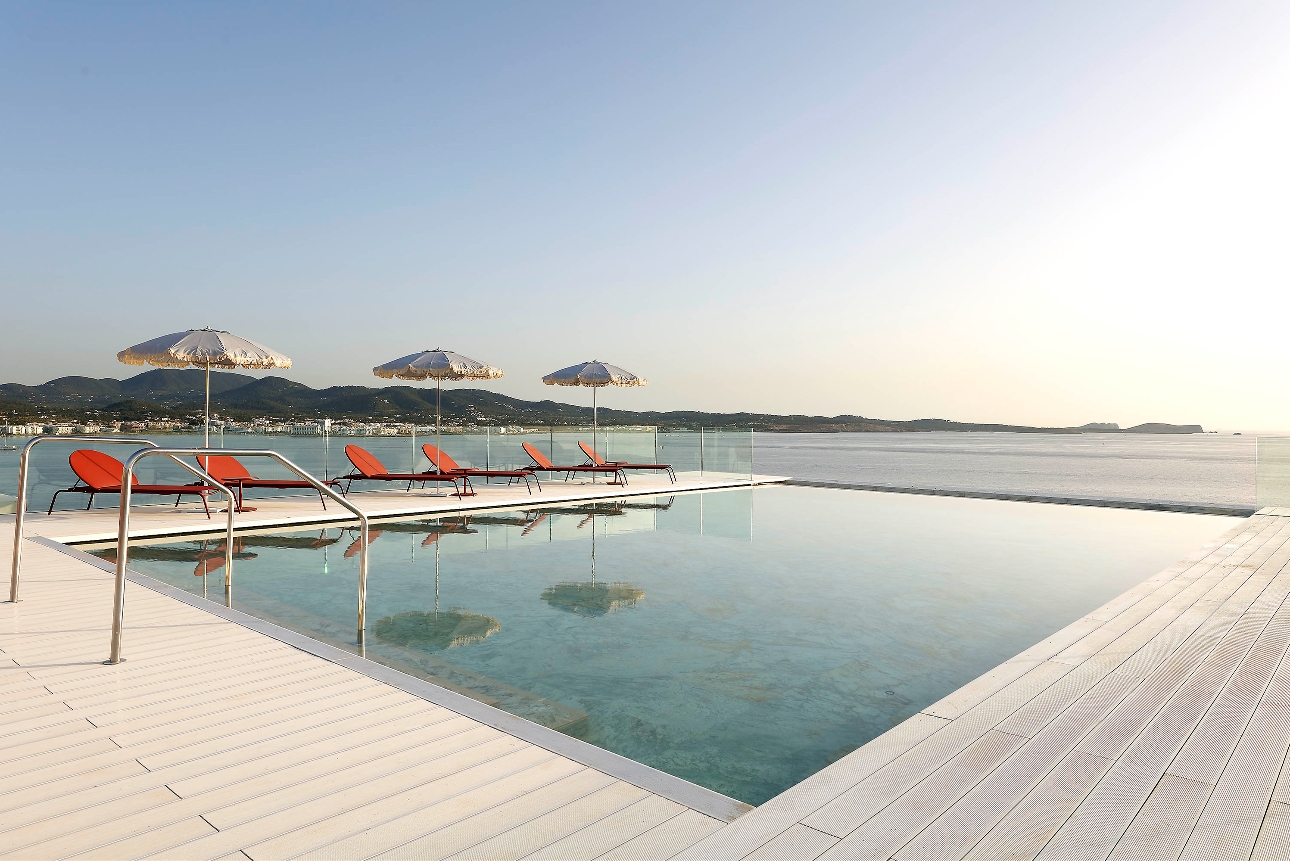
(701, 799)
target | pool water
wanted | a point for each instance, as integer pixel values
(740, 639)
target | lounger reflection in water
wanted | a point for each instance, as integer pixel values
(97, 473)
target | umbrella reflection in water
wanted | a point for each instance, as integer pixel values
(442, 629)
(592, 598)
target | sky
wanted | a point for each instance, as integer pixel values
(1033, 213)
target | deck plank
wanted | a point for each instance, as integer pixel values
(1229, 825)
(86, 790)
(966, 822)
(897, 823)
(798, 843)
(410, 815)
(610, 832)
(666, 839)
(548, 828)
(150, 842)
(1273, 843)
(1102, 818)
(496, 814)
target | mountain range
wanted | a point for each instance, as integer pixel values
(239, 396)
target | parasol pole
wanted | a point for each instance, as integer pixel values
(206, 442)
(438, 458)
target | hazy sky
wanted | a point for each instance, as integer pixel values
(1046, 213)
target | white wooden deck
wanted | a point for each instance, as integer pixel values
(153, 520)
(1155, 727)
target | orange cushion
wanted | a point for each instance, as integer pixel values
(591, 453)
(364, 461)
(223, 467)
(538, 457)
(440, 459)
(98, 470)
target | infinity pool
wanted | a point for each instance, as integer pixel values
(742, 639)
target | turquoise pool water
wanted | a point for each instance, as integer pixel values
(739, 639)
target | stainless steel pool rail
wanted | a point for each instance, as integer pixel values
(20, 513)
(123, 529)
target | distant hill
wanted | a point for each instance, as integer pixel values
(240, 396)
(1149, 427)
(1158, 427)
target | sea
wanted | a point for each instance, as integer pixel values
(1188, 468)
(1193, 468)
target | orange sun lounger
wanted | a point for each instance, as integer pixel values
(594, 458)
(368, 468)
(543, 464)
(101, 473)
(230, 472)
(448, 466)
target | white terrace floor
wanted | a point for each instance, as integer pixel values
(100, 524)
(1154, 727)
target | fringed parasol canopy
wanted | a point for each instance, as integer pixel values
(437, 364)
(203, 348)
(593, 374)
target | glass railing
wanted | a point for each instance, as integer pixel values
(1272, 471)
(708, 452)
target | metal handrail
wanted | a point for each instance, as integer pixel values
(123, 532)
(20, 512)
(123, 536)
